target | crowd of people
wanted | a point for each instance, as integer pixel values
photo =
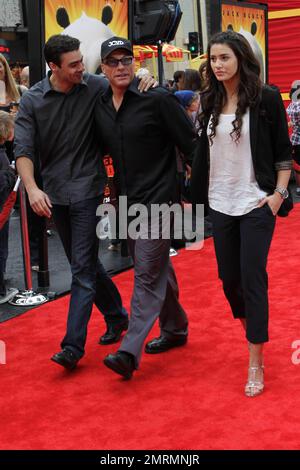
(220, 127)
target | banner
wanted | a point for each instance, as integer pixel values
(250, 21)
(90, 21)
(277, 5)
(284, 43)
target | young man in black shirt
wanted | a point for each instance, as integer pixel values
(140, 133)
(55, 124)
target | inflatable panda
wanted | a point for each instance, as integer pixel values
(250, 36)
(90, 32)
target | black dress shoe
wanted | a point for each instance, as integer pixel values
(121, 362)
(66, 359)
(162, 344)
(113, 333)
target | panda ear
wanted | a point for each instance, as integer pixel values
(62, 17)
(230, 27)
(253, 28)
(107, 14)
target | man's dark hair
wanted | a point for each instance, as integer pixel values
(57, 45)
(177, 75)
(192, 80)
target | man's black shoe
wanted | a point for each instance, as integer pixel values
(113, 333)
(66, 359)
(162, 344)
(121, 362)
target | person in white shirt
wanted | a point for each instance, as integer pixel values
(245, 135)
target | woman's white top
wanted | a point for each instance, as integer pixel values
(233, 189)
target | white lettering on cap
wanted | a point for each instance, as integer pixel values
(116, 43)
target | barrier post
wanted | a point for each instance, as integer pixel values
(27, 298)
(43, 272)
(160, 63)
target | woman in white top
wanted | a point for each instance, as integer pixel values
(245, 137)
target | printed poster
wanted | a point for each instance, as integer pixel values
(251, 23)
(90, 21)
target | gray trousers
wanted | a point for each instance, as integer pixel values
(155, 295)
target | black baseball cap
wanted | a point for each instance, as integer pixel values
(113, 44)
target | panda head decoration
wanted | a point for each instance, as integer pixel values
(250, 36)
(91, 33)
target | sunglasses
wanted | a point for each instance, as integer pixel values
(112, 62)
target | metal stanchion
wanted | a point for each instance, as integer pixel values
(43, 272)
(160, 63)
(28, 297)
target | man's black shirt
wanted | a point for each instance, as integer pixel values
(58, 130)
(141, 138)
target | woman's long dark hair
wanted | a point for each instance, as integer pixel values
(214, 98)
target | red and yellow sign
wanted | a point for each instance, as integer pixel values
(171, 53)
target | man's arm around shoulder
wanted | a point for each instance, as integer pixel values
(177, 123)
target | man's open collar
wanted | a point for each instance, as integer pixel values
(47, 88)
(133, 88)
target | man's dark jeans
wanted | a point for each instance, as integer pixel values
(76, 225)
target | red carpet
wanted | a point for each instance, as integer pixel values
(189, 398)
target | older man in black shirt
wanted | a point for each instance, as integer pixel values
(140, 133)
(55, 125)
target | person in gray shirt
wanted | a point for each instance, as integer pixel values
(55, 125)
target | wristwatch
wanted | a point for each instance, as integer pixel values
(283, 192)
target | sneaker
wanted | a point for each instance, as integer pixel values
(173, 252)
(35, 268)
(9, 294)
(15, 214)
(114, 247)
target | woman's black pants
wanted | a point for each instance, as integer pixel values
(242, 245)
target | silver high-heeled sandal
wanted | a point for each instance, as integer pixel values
(254, 386)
